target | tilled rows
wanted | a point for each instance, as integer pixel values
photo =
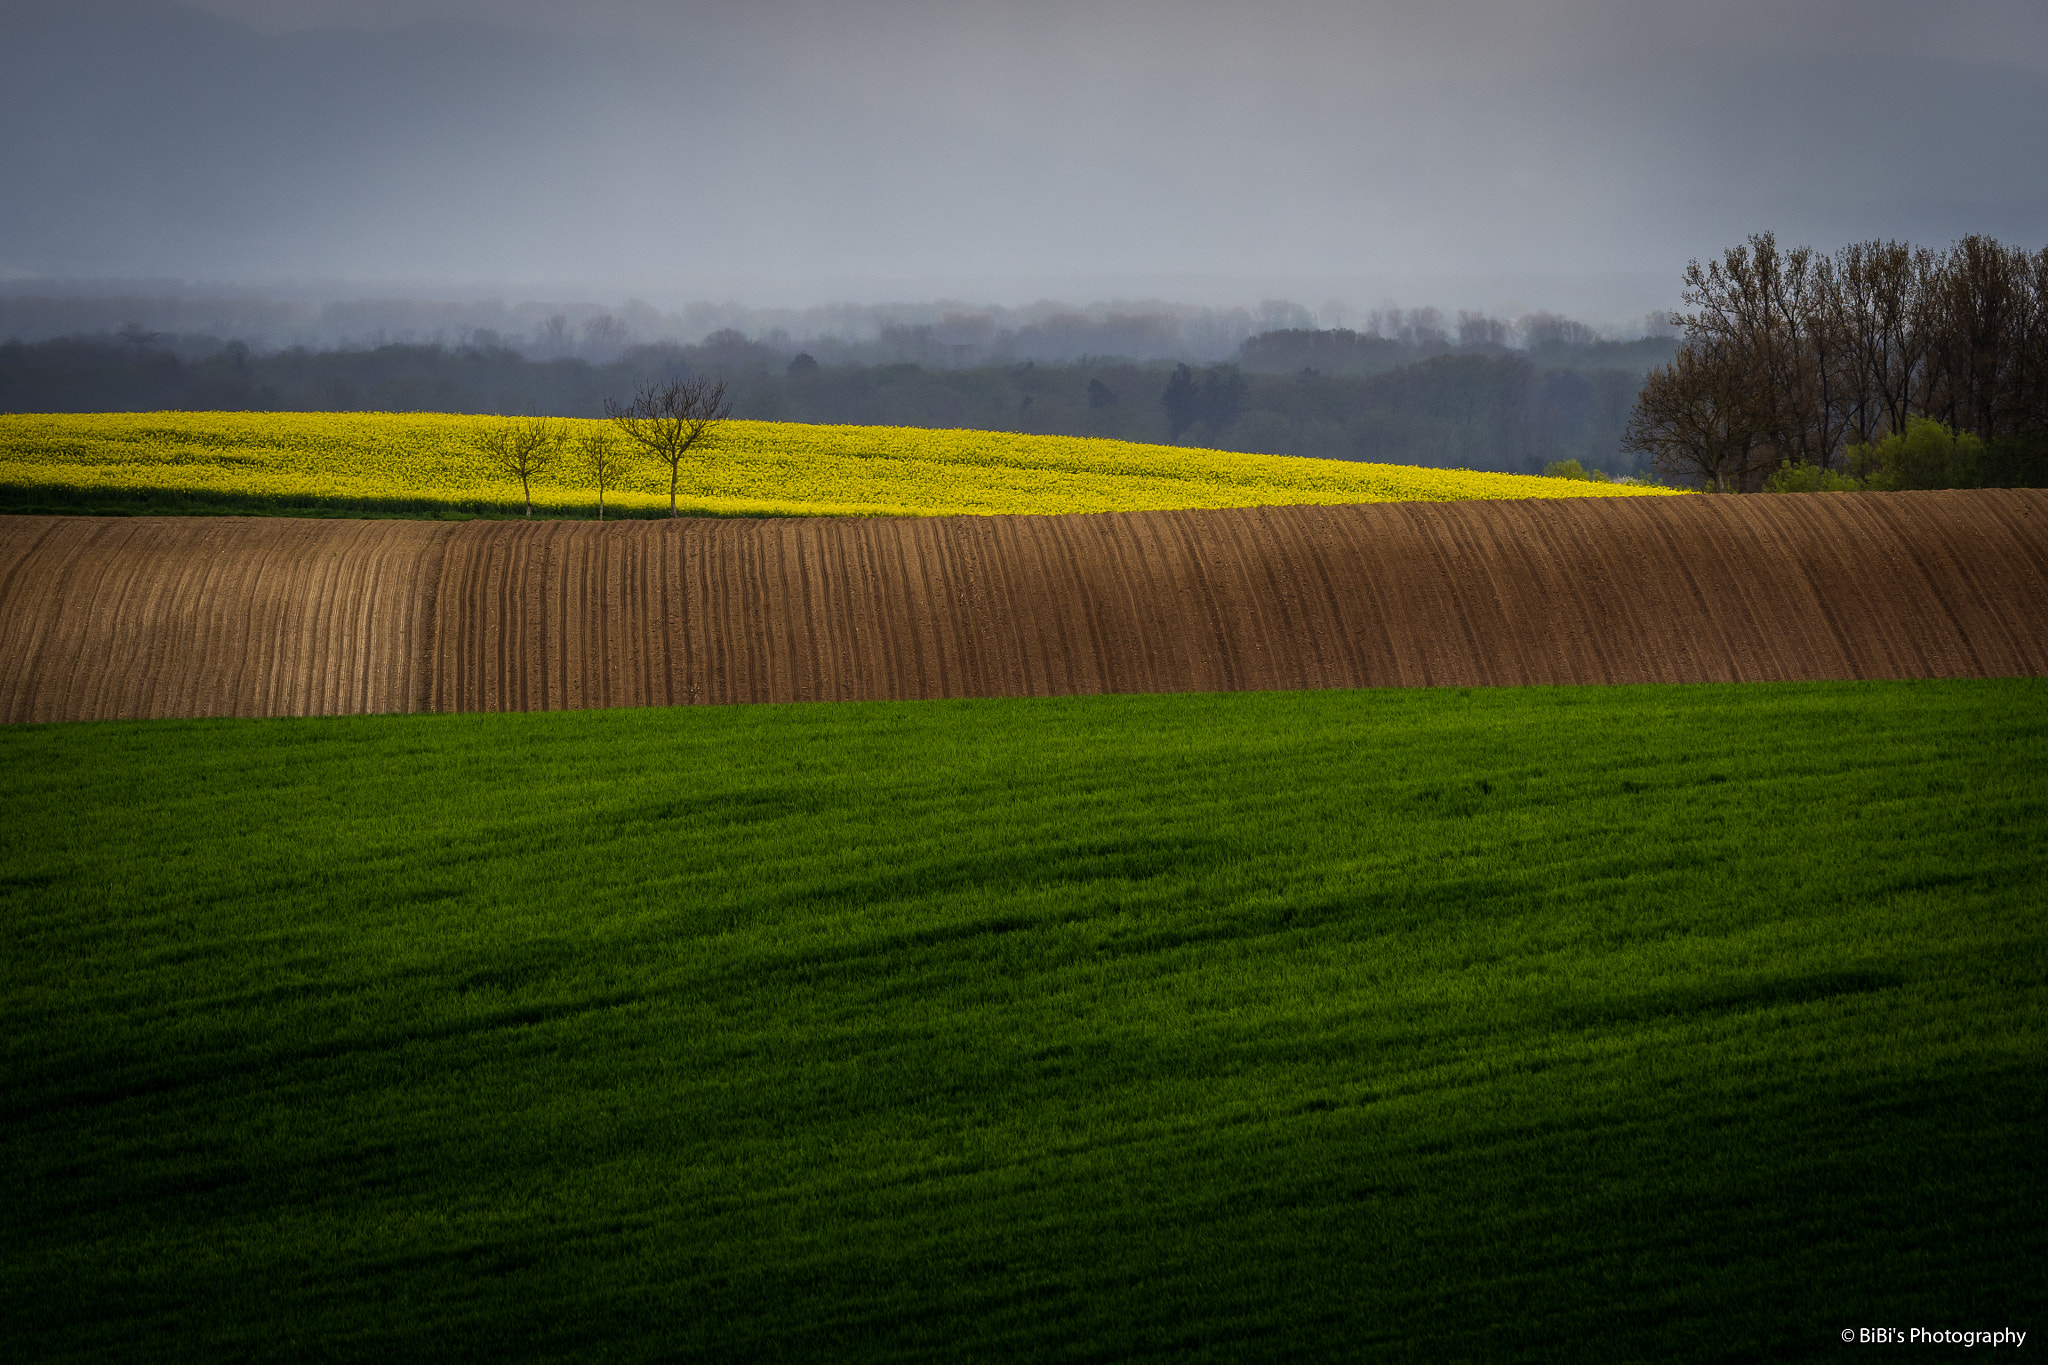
(210, 616)
(160, 617)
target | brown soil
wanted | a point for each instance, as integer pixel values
(106, 617)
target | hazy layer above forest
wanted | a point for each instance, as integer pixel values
(944, 332)
(1416, 397)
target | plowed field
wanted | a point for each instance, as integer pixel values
(119, 617)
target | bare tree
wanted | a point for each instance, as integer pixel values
(669, 419)
(1813, 355)
(1982, 307)
(1884, 348)
(1791, 357)
(1704, 416)
(604, 459)
(521, 447)
(2030, 375)
(1751, 307)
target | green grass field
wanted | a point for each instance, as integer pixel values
(1579, 1024)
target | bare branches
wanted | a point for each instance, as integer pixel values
(521, 447)
(604, 459)
(1704, 417)
(1791, 357)
(667, 420)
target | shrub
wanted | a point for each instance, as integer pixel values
(1925, 455)
(1572, 469)
(1812, 478)
(2019, 460)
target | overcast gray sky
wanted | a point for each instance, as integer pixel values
(1492, 153)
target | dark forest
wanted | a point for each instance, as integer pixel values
(1333, 394)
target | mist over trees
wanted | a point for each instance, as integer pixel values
(1402, 391)
(1797, 360)
(1789, 360)
(944, 333)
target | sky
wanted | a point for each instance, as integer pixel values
(1500, 154)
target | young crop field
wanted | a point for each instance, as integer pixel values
(1629, 1023)
(409, 462)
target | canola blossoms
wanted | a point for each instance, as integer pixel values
(428, 460)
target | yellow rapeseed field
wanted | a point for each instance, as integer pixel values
(430, 459)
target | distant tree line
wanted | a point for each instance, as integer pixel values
(1417, 397)
(1797, 368)
(945, 334)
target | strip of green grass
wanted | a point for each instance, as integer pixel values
(1578, 1024)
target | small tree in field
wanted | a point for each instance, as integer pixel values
(667, 419)
(521, 447)
(604, 459)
